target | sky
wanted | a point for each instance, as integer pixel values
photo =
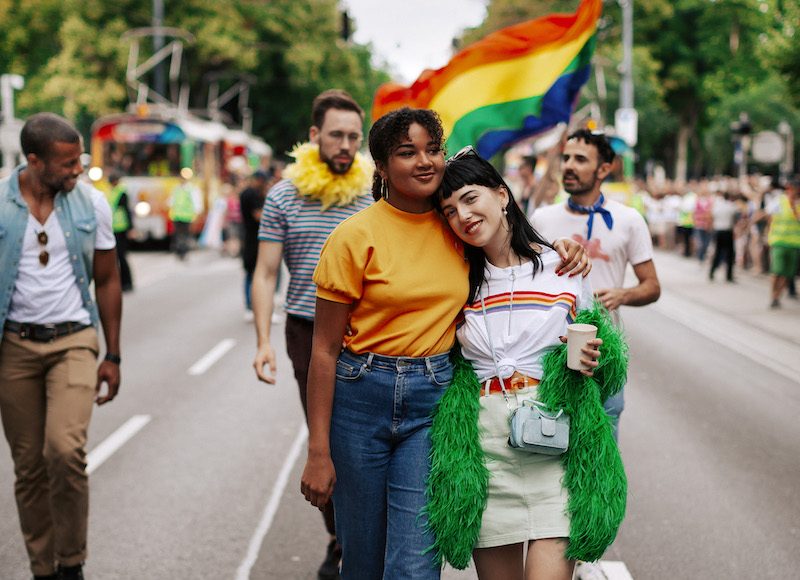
(412, 35)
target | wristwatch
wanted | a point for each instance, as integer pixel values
(114, 358)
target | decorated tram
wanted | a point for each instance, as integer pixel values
(152, 152)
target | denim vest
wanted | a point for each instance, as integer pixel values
(76, 215)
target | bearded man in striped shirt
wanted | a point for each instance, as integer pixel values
(328, 182)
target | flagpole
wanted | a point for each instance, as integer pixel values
(626, 88)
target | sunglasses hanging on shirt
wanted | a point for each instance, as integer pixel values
(44, 256)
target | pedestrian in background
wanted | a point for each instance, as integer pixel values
(184, 205)
(234, 230)
(58, 241)
(613, 234)
(251, 200)
(685, 228)
(703, 221)
(784, 239)
(122, 224)
(724, 214)
(327, 183)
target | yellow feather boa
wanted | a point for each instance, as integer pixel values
(312, 177)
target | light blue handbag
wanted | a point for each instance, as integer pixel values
(535, 429)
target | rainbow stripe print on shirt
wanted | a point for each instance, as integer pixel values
(526, 301)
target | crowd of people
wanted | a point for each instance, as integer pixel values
(727, 223)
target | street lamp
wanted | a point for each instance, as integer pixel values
(787, 165)
(741, 130)
(10, 127)
(626, 119)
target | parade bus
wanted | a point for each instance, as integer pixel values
(153, 152)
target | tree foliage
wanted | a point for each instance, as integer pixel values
(73, 56)
(695, 62)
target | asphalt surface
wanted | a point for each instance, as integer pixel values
(208, 486)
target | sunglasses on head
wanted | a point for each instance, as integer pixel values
(468, 151)
(44, 256)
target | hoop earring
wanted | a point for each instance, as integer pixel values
(384, 189)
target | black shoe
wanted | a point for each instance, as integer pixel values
(775, 304)
(70, 572)
(46, 577)
(329, 570)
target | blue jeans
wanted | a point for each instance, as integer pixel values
(380, 448)
(614, 406)
(703, 238)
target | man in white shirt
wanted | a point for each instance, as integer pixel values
(56, 240)
(613, 234)
(724, 214)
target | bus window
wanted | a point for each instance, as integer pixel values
(144, 159)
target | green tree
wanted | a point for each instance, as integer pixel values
(767, 104)
(707, 49)
(73, 56)
(784, 47)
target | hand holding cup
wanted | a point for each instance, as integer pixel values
(582, 348)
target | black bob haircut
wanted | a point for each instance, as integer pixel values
(472, 169)
(599, 141)
(392, 129)
(42, 130)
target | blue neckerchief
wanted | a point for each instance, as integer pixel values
(591, 210)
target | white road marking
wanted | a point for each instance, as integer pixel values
(243, 573)
(760, 347)
(113, 442)
(615, 570)
(212, 356)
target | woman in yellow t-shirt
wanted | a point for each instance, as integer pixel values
(391, 281)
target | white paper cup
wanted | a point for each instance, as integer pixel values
(577, 337)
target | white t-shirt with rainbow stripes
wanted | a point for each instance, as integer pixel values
(526, 315)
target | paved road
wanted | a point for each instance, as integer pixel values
(206, 484)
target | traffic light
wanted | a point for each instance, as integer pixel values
(742, 126)
(347, 28)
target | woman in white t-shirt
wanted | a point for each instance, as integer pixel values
(517, 311)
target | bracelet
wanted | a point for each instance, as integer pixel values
(114, 358)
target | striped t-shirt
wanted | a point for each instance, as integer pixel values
(299, 223)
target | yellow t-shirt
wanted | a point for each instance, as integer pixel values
(405, 276)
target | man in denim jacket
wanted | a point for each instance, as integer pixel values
(55, 239)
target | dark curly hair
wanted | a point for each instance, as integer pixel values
(604, 150)
(391, 129)
(472, 169)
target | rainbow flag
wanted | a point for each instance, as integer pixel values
(512, 84)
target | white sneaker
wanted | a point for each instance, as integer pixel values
(589, 571)
(248, 316)
(278, 317)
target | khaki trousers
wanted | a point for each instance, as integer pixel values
(47, 393)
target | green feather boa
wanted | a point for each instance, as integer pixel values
(593, 472)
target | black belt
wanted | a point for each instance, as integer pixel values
(43, 332)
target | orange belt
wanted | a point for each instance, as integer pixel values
(515, 382)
